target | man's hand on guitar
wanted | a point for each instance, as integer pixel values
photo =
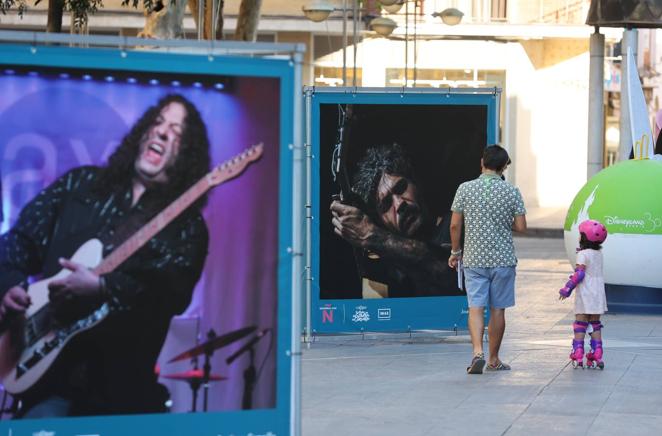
(16, 300)
(81, 283)
(351, 224)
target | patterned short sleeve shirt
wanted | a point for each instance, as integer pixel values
(489, 205)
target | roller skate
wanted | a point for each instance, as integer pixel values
(594, 357)
(577, 355)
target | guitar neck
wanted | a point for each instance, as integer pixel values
(154, 226)
(222, 173)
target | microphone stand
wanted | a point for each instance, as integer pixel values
(206, 369)
(195, 385)
(250, 375)
(249, 382)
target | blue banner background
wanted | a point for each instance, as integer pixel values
(385, 314)
(37, 150)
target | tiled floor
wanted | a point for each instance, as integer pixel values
(394, 385)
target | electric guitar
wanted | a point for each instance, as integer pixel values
(33, 341)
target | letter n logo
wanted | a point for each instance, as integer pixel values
(327, 316)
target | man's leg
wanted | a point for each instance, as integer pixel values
(476, 328)
(502, 296)
(495, 329)
(477, 283)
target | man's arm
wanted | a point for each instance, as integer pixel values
(23, 248)
(519, 212)
(355, 227)
(519, 223)
(457, 220)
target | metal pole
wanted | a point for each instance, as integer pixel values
(213, 19)
(201, 19)
(344, 43)
(309, 217)
(625, 141)
(596, 125)
(406, 39)
(355, 22)
(415, 36)
(297, 248)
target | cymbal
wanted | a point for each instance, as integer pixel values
(214, 343)
(193, 375)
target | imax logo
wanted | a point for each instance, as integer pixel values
(384, 314)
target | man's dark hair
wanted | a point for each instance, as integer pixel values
(495, 158)
(391, 159)
(192, 161)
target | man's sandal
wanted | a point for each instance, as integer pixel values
(477, 364)
(499, 366)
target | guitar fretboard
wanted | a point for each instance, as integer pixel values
(228, 170)
(154, 226)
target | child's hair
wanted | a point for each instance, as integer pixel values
(584, 243)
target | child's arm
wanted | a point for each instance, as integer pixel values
(575, 279)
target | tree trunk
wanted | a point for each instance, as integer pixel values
(209, 10)
(247, 22)
(207, 17)
(165, 21)
(55, 12)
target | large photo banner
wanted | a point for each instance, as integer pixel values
(388, 166)
(143, 260)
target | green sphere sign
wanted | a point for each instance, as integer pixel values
(627, 199)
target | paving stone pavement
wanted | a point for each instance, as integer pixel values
(391, 384)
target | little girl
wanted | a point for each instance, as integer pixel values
(590, 298)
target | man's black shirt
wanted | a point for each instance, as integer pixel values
(110, 369)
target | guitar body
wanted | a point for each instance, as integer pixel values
(32, 343)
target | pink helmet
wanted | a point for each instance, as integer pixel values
(594, 230)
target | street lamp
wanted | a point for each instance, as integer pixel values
(450, 16)
(317, 11)
(383, 26)
(394, 7)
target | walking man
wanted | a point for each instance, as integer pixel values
(490, 209)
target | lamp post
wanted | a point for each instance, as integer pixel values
(319, 10)
(449, 16)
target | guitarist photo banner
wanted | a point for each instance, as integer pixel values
(141, 256)
(388, 172)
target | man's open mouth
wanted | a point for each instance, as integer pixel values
(154, 152)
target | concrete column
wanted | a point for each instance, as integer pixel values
(625, 143)
(596, 116)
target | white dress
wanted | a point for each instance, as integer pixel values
(590, 295)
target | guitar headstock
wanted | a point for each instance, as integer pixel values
(234, 166)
